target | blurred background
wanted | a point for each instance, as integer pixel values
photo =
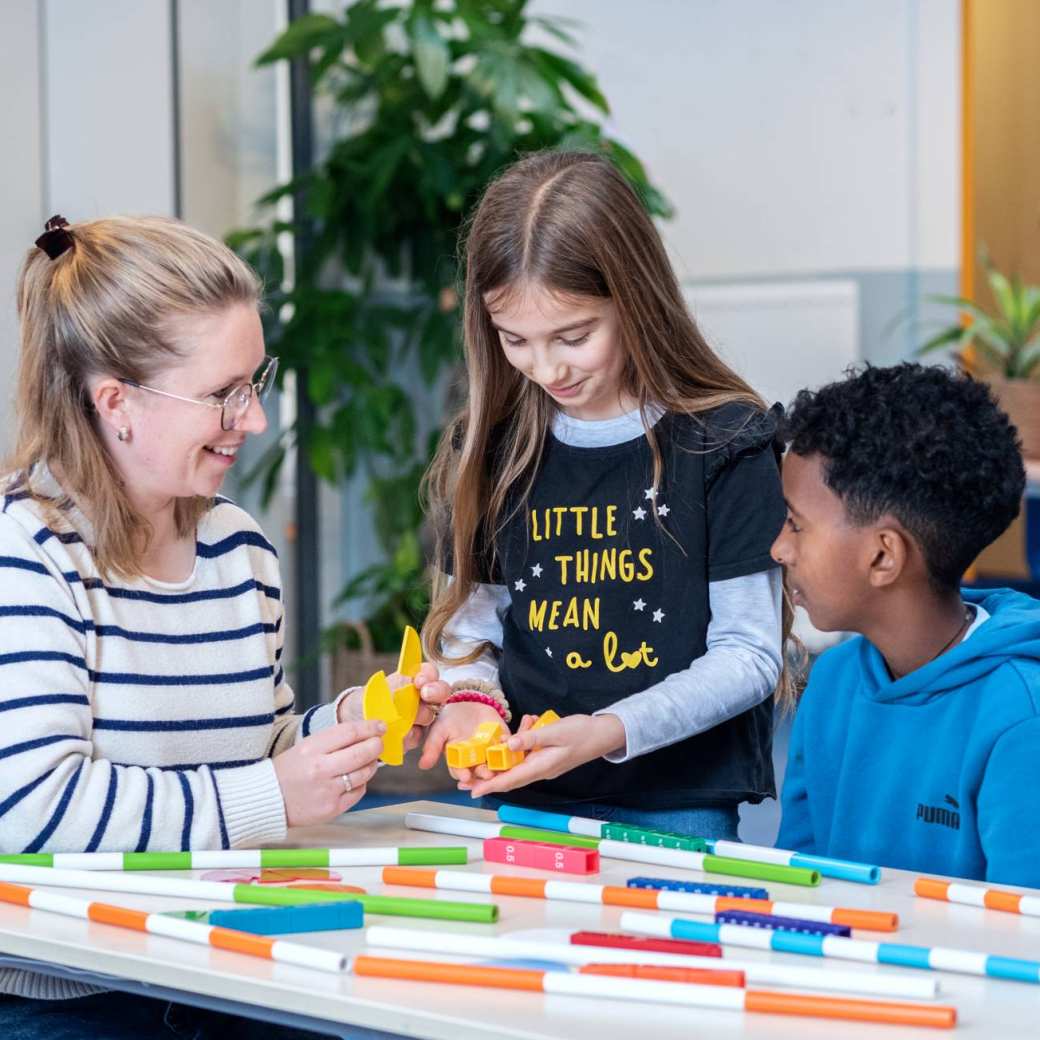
(829, 179)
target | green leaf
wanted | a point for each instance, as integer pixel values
(302, 36)
(432, 58)
(584, 83)
(952, 334)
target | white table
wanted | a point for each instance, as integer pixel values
(988, 1008)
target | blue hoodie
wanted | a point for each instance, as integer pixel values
(936, 772)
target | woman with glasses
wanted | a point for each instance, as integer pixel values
(141, 615)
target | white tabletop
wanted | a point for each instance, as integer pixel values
(988, 1008)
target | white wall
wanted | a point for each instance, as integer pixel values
(794, 137)
(21, 202)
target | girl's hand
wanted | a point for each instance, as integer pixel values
(311, 772)
(554, 750)
(457, 721)
(432, 692)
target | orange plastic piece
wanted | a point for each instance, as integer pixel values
(501, 758)
(105, 913)
(892, 1012)
(464, 754)
(869, 920)
(462, 974)
(414, 876)
(644, 898)
(547, 718)
(752, 906)
(994, 899)
(930, 888)
(241, 942)
(531, 888)
(14, 893)
(666, 973)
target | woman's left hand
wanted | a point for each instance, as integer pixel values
(433, 692)
(554, 750)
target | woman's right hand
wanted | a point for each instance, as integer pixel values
(311, 772)
(459, 721)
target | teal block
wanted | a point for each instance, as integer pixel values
(284, 920)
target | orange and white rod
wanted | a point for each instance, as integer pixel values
(891, 985)
(977, 895)
(633, 898)
(174, 928)
(651, 991)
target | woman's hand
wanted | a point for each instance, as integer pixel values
(554, 750)
(432, 693)
(325, 774)
(458, 721)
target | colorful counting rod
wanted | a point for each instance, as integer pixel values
(610, 849)
(644, 898)
(895, 985)
(977, 895)
(587, 827)
(266, 895)
(418, 856)
(174, 928)
(841, 869)
(652, 991)
(936, 958)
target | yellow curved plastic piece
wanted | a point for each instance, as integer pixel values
(396, 708)
(411, 653)
(547, 718)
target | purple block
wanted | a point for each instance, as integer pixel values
(781, 924)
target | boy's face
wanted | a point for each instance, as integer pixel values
(827, 556)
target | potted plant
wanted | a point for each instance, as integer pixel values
(1002, 346)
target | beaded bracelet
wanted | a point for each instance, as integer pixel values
(476, 697)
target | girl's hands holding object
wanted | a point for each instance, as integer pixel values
(458, 721)
(433, 692)
(551, 751)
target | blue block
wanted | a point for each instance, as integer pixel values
(698, 931)
(794, 942)
(1013, 968)
(781, 924)
(903, 955)
(520, 816)
(861, 873)
(284, 920)
(703, 887)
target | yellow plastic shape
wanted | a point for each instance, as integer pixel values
(399, 707)
(464, 754)
(499, 756)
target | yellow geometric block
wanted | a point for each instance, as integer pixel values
(411, 653)
(464, 754)
(499, 756)
(396, 708)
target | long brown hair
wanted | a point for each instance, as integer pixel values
(569, 222)
(110, 305)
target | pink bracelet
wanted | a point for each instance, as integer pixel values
(477, 698)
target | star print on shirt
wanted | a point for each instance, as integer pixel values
(638, 604)
(520, 585)
(536, 571)
(639, 513)
(663, 510)
(650, 493)
(658, 616)
(548, 650)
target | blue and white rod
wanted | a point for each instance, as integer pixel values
(936, 958)
(842, 869)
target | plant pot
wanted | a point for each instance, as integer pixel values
(353, 668)
(1020, 398)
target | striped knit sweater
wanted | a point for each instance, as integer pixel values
(138, 714)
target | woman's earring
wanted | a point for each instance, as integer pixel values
(123, 433)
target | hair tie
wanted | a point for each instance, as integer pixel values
(55, 239)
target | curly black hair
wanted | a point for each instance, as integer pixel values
(929, 446)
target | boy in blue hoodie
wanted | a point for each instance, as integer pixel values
(917, 744)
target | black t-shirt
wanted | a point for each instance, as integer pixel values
(607, 600)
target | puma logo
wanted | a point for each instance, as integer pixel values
(950, 800)
(937, 814)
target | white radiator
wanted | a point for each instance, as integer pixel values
(781, 336)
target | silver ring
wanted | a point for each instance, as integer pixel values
(347, 785)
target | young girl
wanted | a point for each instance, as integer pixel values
(141, 620)
(607, 501)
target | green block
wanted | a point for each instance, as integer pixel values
(156, 861)
(432, 857)
(553, 837)
(294, 857)
(659, 839)
(762, 871)
(29, 859)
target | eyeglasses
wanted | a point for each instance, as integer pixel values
(235, 403)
